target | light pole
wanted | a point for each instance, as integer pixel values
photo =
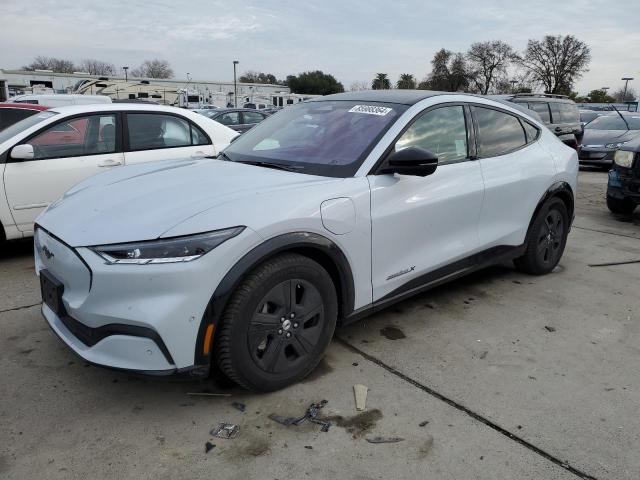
(626, 82)
(126, 78)
(235, 85)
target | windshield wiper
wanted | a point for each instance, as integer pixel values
(621, 116)
(277, 166)
(223, 156)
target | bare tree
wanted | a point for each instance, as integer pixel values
(619, 95)
(357, 86)
(155, 68)
(556, 62)
(96, 67)
(487, 62)
(58, 65)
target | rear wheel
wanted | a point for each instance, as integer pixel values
(278, 324)
(547, 239)
(620, 205)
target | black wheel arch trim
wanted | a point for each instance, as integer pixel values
(561, 190)
(314, 245)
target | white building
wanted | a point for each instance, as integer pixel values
(167, 91)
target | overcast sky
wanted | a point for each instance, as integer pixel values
(351, 39)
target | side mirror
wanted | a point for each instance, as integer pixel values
(22, 152)
(411, 161)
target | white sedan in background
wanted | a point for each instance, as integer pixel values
(43, 156)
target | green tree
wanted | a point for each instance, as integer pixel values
(449, 72)
(314, 83)
(381, 82)
(556, 62)
(259, 77)
(599, 96)
(406, 82)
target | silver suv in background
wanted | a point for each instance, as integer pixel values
(558, 112)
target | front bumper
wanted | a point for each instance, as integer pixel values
(624, 184)
(141, 318)
(595, 156)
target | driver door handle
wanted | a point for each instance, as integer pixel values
(110, 162)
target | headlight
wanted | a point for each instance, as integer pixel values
(623, 158)
(167, 250)
(614, 145)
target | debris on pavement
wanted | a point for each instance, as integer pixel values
(208, 447)
(549, 329)
(483, 355)
(425, 448)
(226, 430)
(423, 424)
(358, 424)
(308, 447)
(360, 392)
(310, 415)
(239, 406)
(208, 394)
(623, 262)
(384, 439)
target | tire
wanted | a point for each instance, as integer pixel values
(547, 239)
(278, 323)
(622, 206)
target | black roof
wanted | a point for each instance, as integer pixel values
(405, 97)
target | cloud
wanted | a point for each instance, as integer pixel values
(352, 39)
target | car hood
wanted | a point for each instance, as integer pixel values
(602, 137)
(142, 202)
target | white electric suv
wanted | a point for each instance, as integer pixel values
(325, 212)
(44, 155)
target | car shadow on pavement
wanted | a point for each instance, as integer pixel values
(16, 248)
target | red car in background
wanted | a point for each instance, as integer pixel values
(11, 113)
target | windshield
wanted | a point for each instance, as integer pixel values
(329, 138)
(28, 122)
(614, 122)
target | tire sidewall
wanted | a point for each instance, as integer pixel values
(552, 204)
(240, 356)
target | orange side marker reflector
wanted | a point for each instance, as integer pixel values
(208, 336)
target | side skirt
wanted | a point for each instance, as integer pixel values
(438, 277)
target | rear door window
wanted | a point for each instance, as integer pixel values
(564, 113)
(150, 131)
(498, 132)
(541, 109)
(229, 118)
(252, 117)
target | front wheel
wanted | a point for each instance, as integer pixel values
(278, 324)
(547, 239)
(620, 205)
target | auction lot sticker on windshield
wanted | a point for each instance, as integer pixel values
(371, 110)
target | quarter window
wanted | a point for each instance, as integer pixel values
(531, 131)
(76, 137)
(442, 131)
(498, 132)
(149, 131)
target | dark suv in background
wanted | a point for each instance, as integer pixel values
(558, 112)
